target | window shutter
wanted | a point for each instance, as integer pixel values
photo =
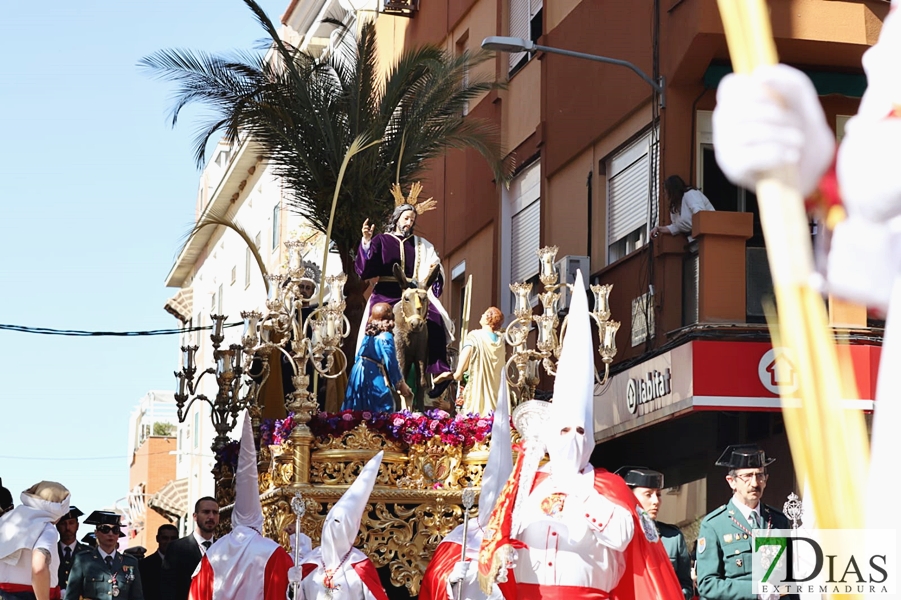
(525, 232)
(519, 26)
(627, 201)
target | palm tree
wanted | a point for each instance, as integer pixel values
(306, 111)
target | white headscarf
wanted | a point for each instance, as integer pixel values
(42, 503)
(573, 404)
(342, 523)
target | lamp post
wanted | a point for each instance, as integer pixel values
(306, 335)
(231, 366)
(512, 44)
(549, 342)
(289, 326)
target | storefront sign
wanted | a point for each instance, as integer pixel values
(715, 375)
(642, 391)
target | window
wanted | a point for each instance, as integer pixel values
(223, 157)
(723, 194)
(248, 261)
(219, 305)
(525, 223)
(234, 275)
(631, 190)
(525, 22)
(276, 213)
(196, 430)
(461, 49)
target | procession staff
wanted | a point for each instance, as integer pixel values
(104, 572)
(724, 542)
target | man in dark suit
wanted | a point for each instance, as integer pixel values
(183, 555)
(68, 545)
(151, 566)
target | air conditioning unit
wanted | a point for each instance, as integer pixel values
(566, 271)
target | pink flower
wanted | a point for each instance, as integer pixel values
(367, 415)
(398, 421)
(347, 417)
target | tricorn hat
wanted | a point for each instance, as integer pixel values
(104, 517)
(641, 477)
(744, 456)
(73, 513)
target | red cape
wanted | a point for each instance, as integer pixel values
(434, 581)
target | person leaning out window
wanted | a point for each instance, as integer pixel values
(684, 201)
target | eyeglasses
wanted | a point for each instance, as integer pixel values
(108, 529)
(749, 477)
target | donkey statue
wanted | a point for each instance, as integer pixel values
(411, 336)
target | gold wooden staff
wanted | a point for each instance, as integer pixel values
(829, 444)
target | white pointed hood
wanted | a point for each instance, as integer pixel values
(573, 405)
(500, 456)
(248, 511)
(342, 523)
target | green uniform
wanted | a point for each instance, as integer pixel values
(724, 552)
(91, 578)
(674, 542)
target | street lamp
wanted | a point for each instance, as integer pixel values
(512, 44)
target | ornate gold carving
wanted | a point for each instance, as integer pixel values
(360, 438)
(415, 502)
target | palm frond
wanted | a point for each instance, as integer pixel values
(220, 219)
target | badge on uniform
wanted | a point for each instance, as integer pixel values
(738, 562)
(727, 538)
(129, 574)
(702, 545)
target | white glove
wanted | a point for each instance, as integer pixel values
(867, 168)
(770, 596)
(460, 575)
(294, 575)
(864, 261)
(768, 119)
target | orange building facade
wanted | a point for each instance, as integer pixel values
(592, 142)
(152, 466)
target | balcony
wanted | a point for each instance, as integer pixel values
(718, 282)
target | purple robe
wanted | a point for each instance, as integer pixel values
(379, 261)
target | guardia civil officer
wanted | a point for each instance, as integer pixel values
(647, 484)
(68, 545)
(724, 541)
(104, 572)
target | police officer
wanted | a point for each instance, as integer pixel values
(104, 573)
(724, 541)
(646, 484)
(68, 544)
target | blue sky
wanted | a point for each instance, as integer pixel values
(97, 193)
